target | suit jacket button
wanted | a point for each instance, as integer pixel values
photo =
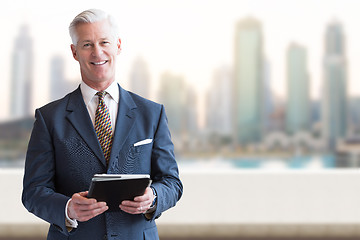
(105, 237)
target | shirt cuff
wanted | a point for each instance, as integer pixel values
(68, 221)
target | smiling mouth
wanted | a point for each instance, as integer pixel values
(99, 63)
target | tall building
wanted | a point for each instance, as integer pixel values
(298, 100)
(354, 115)
(173, 95)
(219, 102)
(334, 108)
(22, 75)
(140, 78)
(248, 82)
(269, 107)
(191, 111)
(58, 86)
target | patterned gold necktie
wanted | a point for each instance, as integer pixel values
(103, 126)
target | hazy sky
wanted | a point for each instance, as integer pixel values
(187, 37)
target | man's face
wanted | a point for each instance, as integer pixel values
(96, 52)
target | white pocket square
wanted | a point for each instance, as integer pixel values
(145, 141)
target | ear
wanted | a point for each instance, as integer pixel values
(73, 50)
(118, 44)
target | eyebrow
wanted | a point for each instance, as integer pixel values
(101, 39)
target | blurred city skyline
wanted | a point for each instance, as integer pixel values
(189, 39)
(231, 100)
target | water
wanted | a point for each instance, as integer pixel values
(296, 162)
(4, 163)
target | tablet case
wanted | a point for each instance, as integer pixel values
(115, 188)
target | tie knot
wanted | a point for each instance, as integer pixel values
(101, 94)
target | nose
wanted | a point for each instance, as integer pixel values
(97, 50)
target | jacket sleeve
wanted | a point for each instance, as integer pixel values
(39, 195)
(164, 169)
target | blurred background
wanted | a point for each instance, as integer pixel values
(248, 85)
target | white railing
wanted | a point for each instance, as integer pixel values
(232, 203)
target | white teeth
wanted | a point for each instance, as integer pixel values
(99, 63)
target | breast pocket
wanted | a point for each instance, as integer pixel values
(141, 151)
(138, 159)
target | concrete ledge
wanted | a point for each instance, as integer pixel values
(214, 230)
(225, 204)
(24, 230)
(259, 230)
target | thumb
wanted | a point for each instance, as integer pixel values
(83, 194)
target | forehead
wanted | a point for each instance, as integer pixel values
(94, 31)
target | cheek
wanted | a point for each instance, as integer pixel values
(82, 56)
(82, 63)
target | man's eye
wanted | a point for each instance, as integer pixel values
(105, 42)
(87, 45)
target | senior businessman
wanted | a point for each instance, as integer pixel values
(98, 128)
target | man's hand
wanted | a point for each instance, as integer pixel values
(140, 204)
(83, 209)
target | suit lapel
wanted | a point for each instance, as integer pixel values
(124, 123)
(80, 119)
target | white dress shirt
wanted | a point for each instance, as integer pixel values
(111, 101)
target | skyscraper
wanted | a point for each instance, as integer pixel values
(58, 87)
(22, 75)
(219, 102)
(139, 78)
(191, 111)
(173, 96)
(334, 108)
(271, 123)
(298, 99)
(248, 82)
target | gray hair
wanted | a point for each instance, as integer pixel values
(91, 16)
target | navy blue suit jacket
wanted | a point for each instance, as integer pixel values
(64, 154)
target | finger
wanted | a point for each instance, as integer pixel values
(87, 215)
(142, 198)
(138, 201)
(89, 207)
(84, 194)
(79, 204)
(85, 210)
(131, 204)
(131, 210)
(146, 196)
(79, 199)
(135, 209)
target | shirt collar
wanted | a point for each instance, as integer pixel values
(88, 93)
